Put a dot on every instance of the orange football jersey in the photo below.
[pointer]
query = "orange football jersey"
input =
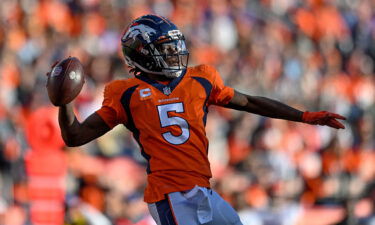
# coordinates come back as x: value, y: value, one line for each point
x: 168, y: 122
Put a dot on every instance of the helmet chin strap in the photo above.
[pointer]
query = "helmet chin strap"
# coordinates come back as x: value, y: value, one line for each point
x: 165, y: 72
x: 172, y: 74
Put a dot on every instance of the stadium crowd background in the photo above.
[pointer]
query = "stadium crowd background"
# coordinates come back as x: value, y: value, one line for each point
x: 313, y: 54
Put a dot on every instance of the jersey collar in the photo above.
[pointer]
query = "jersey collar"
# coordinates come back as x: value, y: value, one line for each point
x: 166, y: 89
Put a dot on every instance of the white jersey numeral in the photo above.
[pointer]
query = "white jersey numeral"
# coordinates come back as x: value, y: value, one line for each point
x: 166, y: 121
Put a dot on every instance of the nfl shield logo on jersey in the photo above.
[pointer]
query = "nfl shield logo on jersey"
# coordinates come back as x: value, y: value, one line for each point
x: 167, y: 90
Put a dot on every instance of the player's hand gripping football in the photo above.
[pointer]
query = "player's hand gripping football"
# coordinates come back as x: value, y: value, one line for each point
x: 65, y: 81
x: 323, y: 118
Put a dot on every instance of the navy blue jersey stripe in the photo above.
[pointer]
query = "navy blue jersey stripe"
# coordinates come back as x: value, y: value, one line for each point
x: 207, y: 87
x: 125, y: 101
x: 165, y: 212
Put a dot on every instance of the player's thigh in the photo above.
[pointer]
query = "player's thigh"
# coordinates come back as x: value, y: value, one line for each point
x: 223, y: 212
x: 183, y: 209
x: 176, y: 209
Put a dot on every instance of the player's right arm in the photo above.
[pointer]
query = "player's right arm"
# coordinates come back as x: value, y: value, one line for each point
x: 75, y: 133
x: 111, y: 113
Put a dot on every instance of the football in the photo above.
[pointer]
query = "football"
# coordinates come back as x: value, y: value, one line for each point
x: 65, y: 81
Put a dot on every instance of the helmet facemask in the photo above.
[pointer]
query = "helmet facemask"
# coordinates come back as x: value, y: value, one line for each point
x: 170, y: 55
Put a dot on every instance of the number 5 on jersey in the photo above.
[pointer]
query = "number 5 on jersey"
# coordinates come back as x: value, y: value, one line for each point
x: 166, y: 121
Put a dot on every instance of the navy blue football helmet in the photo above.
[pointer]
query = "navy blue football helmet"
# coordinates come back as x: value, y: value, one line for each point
x: 153, y: 44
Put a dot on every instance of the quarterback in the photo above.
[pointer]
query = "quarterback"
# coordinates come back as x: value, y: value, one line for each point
x: 165, y: 106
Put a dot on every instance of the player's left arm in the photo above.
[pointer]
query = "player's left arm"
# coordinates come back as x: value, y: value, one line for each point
x: 271, y: 108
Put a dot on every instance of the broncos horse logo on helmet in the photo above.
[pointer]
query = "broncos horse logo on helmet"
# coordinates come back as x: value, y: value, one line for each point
x: 139, y: 29
x: 153, y: 44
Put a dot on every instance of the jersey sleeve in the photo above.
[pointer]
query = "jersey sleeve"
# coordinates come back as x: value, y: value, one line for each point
x: 111, y: 111
x: 220, y: 94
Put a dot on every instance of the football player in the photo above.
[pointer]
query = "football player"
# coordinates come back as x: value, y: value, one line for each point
x: 165, y: 105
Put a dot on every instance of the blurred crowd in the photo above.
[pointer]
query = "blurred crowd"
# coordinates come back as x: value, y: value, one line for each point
x: 313, y: 55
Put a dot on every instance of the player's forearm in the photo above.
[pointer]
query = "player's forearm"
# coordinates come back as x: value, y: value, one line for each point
x: 69, y: 125
x: 264, y: 107
x: 272, y: 108
x: 77, y: 133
